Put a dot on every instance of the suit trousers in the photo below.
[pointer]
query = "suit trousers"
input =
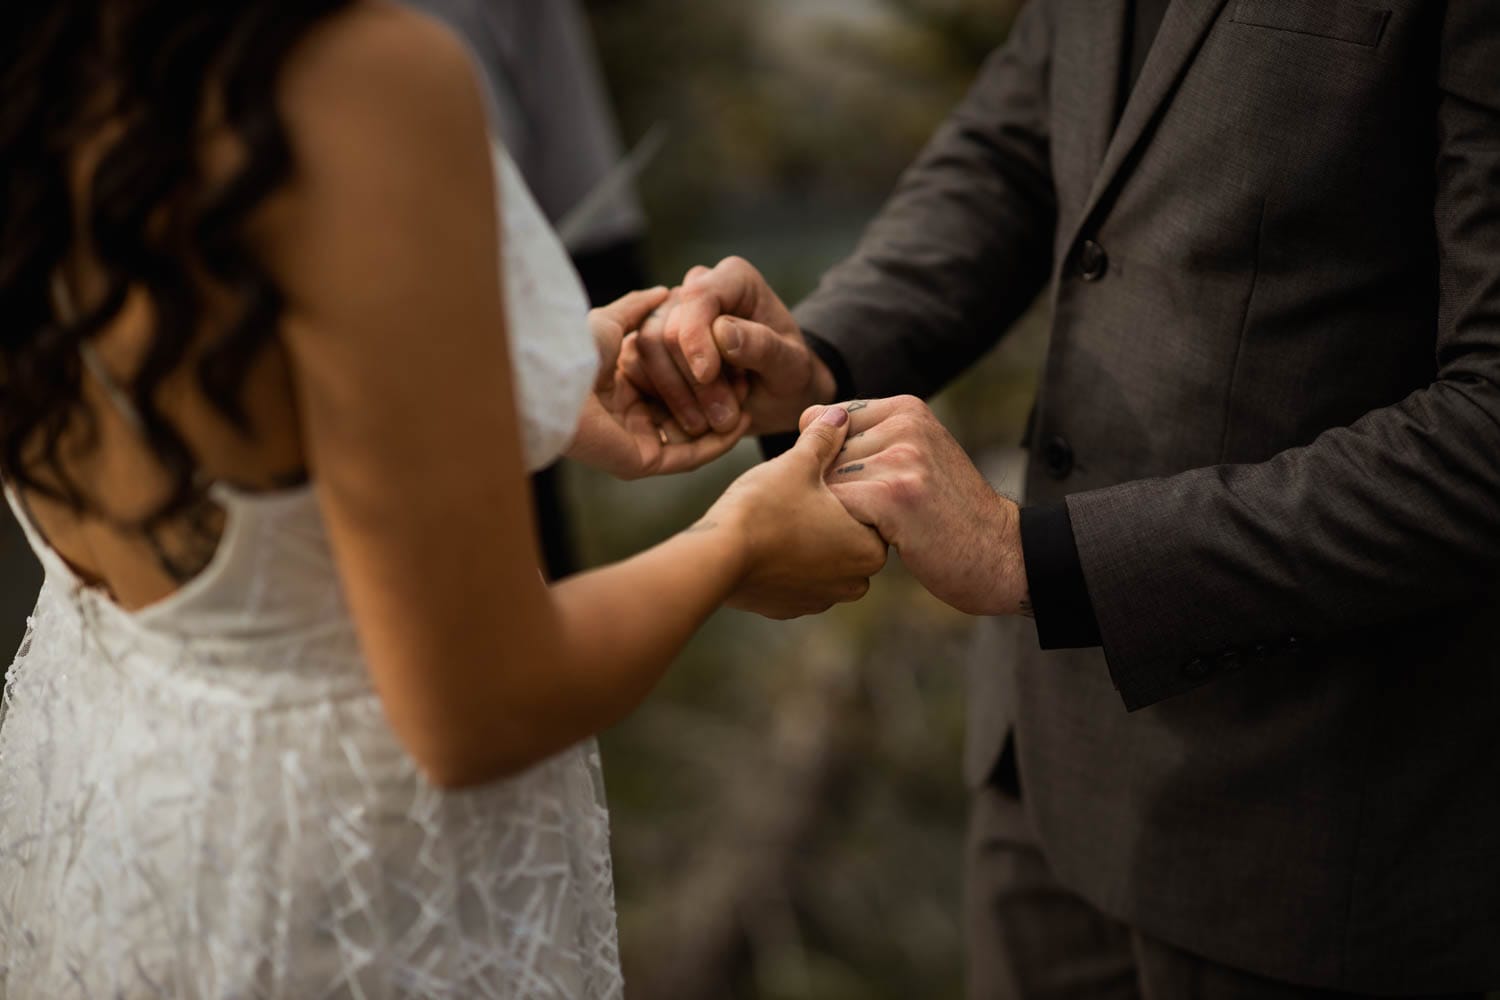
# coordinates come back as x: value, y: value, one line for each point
x: 1030, y: 938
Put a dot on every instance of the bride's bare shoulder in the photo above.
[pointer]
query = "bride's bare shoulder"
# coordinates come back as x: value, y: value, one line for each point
x: 385, y: 118
x: 387, y: 68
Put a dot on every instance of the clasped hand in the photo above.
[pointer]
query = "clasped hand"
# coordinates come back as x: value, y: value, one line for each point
x: 721, y: 356
x: 629, y: 433
x: 799, y: 550
x: 904, y: 475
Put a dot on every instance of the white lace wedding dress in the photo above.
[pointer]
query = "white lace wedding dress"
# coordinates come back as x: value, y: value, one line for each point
x: 203, y: 799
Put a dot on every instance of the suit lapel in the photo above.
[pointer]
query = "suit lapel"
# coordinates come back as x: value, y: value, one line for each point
x: 1088, y: 42
x: 1182, y: 32
x: 1103, y: 28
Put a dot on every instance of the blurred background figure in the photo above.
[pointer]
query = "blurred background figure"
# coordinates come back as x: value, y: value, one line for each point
x: 550, y: 107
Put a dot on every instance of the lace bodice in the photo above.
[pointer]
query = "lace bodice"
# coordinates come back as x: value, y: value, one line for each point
x: 203, y: 798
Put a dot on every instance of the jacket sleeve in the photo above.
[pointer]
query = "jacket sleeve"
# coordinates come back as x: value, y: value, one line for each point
x: 963, y: 246
x: 1382, y: 520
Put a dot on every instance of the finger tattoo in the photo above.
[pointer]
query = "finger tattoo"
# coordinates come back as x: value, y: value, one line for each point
x: 846, y: 470
x: 857, y: 405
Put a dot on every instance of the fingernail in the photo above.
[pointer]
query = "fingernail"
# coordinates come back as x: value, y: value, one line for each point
x: 719, y: 415
x: 835, y: 415
x: 699, y: 365
x: 732, y: 337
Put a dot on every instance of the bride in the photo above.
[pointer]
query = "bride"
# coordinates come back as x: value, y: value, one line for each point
x: 296, y: 715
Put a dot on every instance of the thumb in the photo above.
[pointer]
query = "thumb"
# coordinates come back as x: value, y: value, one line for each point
x: 611, y: 324
x: 755, y: 347
x: 824, y: 436
x: 631, y: 310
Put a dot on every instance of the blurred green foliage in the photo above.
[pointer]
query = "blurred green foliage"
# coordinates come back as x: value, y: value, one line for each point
x: 790, y: 121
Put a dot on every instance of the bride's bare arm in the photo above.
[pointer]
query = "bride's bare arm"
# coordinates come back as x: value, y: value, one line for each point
x: 385, y: 246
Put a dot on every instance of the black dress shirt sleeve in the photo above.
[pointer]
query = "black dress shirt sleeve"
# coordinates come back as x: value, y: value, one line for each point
x: 1059, y: 597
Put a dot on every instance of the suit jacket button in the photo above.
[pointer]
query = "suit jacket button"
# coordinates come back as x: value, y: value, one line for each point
x: 1093, y: 262
x: 1196, y: 669
x: 1057, y: 456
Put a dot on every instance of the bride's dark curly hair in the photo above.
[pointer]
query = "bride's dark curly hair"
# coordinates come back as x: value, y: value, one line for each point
x: 148, y: 69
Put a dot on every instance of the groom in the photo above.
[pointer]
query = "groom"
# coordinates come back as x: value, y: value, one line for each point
x: 1257, y: 753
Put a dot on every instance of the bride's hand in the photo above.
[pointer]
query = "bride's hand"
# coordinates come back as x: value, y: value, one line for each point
x: 611, y: 324
x: 805, y: 553
x: 621, y: 431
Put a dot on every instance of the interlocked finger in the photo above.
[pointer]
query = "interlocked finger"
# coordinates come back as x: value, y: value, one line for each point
x: 852, y: 470
x: 683, y: 453
x: 863, y: 444
x: 667, y: 382
x: 867, y: 413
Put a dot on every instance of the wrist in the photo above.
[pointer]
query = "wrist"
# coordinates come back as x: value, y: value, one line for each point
x: 1012, y: 595
x: 734, y: 542
x: 821, y: 390
x: 824, y: 387
x: 1020, y: 582
x: 781, y: 414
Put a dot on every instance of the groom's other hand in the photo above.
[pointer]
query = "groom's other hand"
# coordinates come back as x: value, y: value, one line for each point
x: 721, y: 321
x: 904, y: 475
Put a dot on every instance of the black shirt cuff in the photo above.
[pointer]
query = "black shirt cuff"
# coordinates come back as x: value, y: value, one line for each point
x: 773, y: 445
x: 1059, y: 596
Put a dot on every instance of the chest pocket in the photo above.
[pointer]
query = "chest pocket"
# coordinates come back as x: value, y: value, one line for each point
x: 1341, y: 20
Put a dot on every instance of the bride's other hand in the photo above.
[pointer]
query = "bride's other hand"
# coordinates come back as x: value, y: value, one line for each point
x: 804, y: 552
x: 621, y: 431
x: 611, y: 324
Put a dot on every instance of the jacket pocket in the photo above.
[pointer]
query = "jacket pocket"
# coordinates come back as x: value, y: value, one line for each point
x: 1341, y: 20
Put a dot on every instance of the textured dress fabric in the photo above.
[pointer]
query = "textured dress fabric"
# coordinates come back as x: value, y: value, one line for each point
x: 203, y: 798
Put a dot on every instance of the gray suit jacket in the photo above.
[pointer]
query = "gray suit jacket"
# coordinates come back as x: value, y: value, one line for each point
x: 1272, y: 402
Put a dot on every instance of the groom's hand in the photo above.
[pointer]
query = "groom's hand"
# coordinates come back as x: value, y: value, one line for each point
x: 903, y: 474
x: 723, y: 321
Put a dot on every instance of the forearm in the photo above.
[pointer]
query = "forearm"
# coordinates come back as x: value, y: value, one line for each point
x: 624, y: 624
x: 1376, y: 522
x: 606, y: 637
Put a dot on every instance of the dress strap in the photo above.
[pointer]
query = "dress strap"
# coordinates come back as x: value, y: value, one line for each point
x: 67, y: 311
